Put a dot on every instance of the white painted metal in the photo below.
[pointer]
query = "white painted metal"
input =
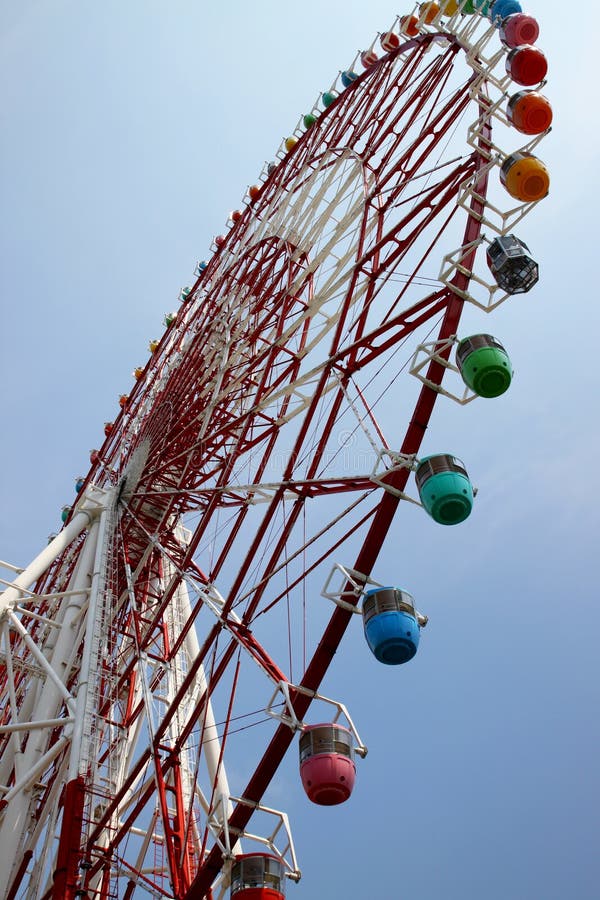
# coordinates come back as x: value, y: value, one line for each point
x: 14, y: 594
x: 211, y: 744
x: 50, y: 667
x: 81, y: 750
x: 48, y: 691
x: 290, y: 719
x: 431, y: 352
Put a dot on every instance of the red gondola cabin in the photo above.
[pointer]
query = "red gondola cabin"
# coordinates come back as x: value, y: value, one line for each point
x: 257, y: 876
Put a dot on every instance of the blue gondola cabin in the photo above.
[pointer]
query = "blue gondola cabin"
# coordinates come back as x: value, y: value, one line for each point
x: 391, y: 625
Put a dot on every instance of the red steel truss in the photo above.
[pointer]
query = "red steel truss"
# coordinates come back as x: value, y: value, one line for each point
x: 224, y: 449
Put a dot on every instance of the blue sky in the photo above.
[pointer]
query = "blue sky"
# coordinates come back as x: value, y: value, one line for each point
x: 130, y: 131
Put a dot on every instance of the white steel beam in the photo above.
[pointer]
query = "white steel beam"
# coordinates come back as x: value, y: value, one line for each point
x: 13, y: 594
x: 49, y: 693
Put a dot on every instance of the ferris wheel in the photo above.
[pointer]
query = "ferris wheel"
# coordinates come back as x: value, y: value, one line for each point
x: 168, y: 645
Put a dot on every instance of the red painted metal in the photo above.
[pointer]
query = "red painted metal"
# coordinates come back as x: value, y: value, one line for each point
x: 66, y: 874
x: 368, y: 555
x: 203, y: 467
x: 12, y: 893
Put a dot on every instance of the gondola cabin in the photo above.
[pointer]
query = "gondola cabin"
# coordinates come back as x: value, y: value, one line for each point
x: 525, y: 177
x: 368, y: 58
x: 391, y: 627
x: 389, y: 41
x: 428, y: 12
x: 501, y: 9
x: 470, y: 7
x: 409, y: 25
x: 484, y: 365
x: 444, y: 488
x: 526, y: 65
x: 511, y: 265
x: 257, y: 876
x: 327, y: 767
x: 348, y: 76
x: 449, y: 7
x: 519, y: 29
x: 530, y: 112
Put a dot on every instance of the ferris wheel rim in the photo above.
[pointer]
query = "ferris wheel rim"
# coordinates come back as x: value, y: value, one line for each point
x: 450, y: 302
x: 307, y: 704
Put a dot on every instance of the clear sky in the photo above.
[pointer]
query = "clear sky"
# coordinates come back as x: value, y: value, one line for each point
x: 130, y: 129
